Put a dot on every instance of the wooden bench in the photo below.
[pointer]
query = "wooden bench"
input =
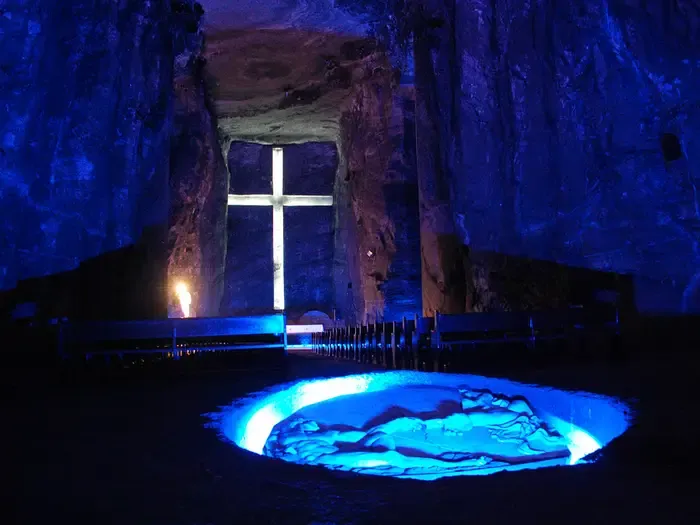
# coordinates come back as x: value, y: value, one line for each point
x: 173, y: 337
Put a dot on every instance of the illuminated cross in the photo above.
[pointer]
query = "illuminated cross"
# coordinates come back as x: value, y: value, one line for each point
x: 278, y: 201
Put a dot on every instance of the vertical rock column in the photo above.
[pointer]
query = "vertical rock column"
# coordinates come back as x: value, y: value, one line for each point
x: 402, y: 288
x: 345, y: 258
x: 198, y: 182
x: 437, y: 133
x: 364, y: 242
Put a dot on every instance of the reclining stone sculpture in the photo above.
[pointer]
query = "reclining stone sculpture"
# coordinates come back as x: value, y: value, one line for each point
x: 413, y: 445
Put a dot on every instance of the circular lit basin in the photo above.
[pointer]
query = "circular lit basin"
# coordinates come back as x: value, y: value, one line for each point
x: 422, y: 425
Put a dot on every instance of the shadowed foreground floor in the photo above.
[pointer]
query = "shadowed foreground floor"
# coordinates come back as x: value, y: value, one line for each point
x: 136, y: 452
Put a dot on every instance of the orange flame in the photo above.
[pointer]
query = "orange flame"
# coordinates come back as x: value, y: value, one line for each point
x: 185, y: 298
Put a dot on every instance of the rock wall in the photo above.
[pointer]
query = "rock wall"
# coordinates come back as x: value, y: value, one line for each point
x: 567, y: 133
x: 198, y: 180
x: 442, y: 266
x: 402, y: 286
x: 85, y: 125
x: 375, y: 193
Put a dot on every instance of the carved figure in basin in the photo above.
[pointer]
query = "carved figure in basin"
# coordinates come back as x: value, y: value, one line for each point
x: 500, y: 418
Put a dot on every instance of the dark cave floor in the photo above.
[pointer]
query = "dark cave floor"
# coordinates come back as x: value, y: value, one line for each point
x: 137, y: 452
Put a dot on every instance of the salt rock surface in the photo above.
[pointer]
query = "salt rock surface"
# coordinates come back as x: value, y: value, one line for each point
x: 418, y: 431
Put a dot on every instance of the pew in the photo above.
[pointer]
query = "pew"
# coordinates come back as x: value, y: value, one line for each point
x: 364, y: 343
x: 405, y: 344
x: 454, y: 332
x: 346, y: 345
x: 531, y: 329
x: 385, y: 344
x: 547, y: 326
x: 173, y: 337
x: 419, y: 342
x: 486, y: 327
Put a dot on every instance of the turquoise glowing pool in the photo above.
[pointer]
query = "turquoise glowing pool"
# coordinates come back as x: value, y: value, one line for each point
x: 422, y: 425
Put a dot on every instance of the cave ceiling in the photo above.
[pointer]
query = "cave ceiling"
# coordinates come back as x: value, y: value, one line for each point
x: 280, y: 70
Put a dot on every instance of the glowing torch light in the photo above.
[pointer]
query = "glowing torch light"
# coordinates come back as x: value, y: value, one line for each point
x: 185, y: 298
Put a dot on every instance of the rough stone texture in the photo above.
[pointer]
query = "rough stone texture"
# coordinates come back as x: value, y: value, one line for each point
x: 374, y: 161
x: 309, y: 169
x: 198, y: 181
x: 281, y: 70
x: 556, y: 147
x: 294, y: 72
x: 366, y: 148
x: 280, y: 86
x: 402, y: 287
x: 548, y: 133
x: 85, y: 130
x: 336, y: 16
x: 442, y: 270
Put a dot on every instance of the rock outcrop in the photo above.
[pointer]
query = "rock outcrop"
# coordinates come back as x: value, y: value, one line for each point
x: 85, y: 127
x: 279, y: 71
x: 282, y: 86
x: 376, y: 199
x: 402, y: 287
x: 198, y: 178
x: 567, y: 133
x: 556, y: 144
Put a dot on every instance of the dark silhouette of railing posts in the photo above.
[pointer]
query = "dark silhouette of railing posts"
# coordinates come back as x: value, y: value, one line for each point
x: 437, y: 344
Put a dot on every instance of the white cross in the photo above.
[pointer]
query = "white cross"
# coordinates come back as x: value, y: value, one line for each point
x: 278, y: 201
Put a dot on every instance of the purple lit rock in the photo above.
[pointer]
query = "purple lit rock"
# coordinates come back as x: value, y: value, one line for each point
x: 428, y: 432
x: 567, y: 133
x: 84, y: 131
x: 198, y: 181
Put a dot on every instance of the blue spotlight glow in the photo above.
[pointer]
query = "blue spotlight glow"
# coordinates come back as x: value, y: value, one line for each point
x: 449, y: 424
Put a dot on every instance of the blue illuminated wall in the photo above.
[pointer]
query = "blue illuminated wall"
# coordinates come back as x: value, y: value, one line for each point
x: 84, y: 130
x: 86, y: 122
x: 402, y: 288
x: 568, y: 132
